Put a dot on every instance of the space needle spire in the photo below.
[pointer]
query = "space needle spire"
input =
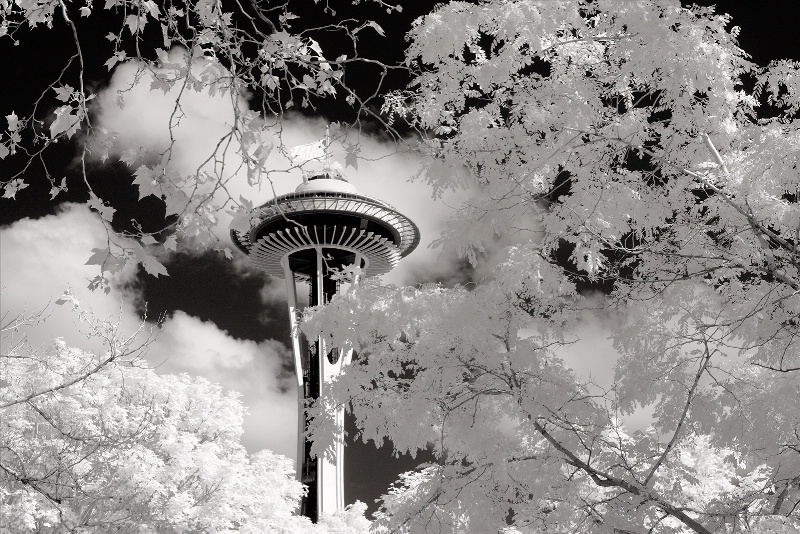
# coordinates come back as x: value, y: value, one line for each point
x: 308, y: 236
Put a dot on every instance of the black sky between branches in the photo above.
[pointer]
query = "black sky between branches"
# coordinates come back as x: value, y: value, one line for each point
x: 207, y: 285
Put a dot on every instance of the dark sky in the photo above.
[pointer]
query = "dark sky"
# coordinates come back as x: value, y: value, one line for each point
x: 208, y: 286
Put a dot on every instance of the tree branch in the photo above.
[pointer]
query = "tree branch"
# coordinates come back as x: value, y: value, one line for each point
x: 605, y: 480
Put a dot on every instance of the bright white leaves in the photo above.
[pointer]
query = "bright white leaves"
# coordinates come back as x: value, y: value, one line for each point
x: 12, y: 187
x: 66, y: 122
x: 578, y: 121
x: 102, y: 442
x: 69, y: 117
x: 571, y: 94
x: 127, y: 448
x: 10, y: 146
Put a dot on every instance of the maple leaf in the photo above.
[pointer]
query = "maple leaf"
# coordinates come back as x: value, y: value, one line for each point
x: 146, y: 181
x: 4, y: 151
x: 135, y: 23
x: 64, y: 93
x: 262, y: 152
x: 109, y: 64
x: 152, y: 8
x: 153, y: 267
x: 175, y: 202
x: 129, y: 156
x: 115, y: 264
x: 99, y: 257
x: 65, y: 122
x: 68, y: 296
x: 171, y: 243
x: 106, y: 212
x: 10, y: 189
x: 56, y: 189
x: 13, y: 122
x: 162, y: 84
x: 351, y: 158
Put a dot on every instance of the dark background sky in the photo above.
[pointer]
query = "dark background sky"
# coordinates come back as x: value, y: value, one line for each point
x: 207, y: 286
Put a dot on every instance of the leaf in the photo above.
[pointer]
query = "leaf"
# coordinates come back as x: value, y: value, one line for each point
x: 313, y: 45
x: 5, y: 152
x: 106, y: 212
x: 171, y: 243
x: 113, y: 60
x: 162, y: 55
x: 175, y: 202
x: 65, y: 122
x: 351, y: 159
x: 56, y: 189
x: 152, y: 8
x: 85, y: 11
x: 153, y: 267
x: 135, y: 23
x: 146, y: 182
x: 161, y: 83
x: 228, y: 253
x: 149, y: 240
x: 375, y: 26
x: 129, y: 156
x: 64, y: 93
x: 10, y: 189
x: 262, y: 153
x: 68, y: 297
x: 99, y: 257
x: 13, y: 122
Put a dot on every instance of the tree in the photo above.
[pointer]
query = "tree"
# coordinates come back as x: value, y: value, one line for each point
x: 632, y: 149
x: 94, y: 443
x: 622, y: 147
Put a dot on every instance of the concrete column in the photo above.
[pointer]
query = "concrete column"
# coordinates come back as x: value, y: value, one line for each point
x: 330, y: 468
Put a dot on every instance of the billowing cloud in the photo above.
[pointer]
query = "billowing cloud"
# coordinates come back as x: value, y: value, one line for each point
x: 189, y: 345
x: 41, y: 258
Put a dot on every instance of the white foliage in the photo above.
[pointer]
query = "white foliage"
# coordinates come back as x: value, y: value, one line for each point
x: 94, y: 443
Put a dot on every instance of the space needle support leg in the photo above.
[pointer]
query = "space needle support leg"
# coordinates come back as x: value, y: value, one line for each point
x: 291, y: 294
x: 330, y: 481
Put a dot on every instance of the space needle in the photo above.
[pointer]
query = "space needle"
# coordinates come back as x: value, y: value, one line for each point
x: 309, y: 236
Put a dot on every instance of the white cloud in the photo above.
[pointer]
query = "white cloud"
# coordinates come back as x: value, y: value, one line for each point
x: 41, y: 258
x: 189, y: 345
